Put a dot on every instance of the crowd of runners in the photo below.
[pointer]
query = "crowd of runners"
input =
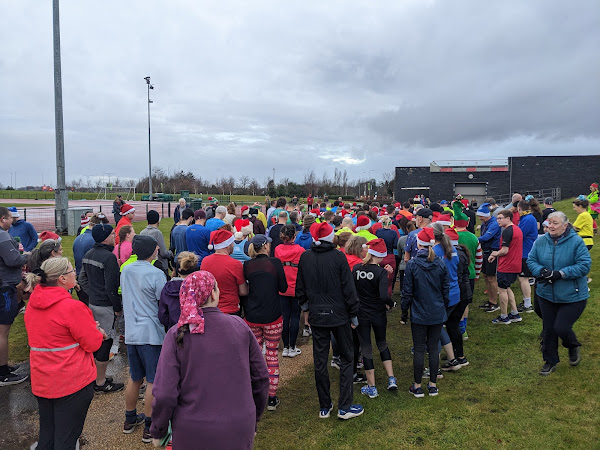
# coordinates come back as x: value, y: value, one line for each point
x: 206, y: 318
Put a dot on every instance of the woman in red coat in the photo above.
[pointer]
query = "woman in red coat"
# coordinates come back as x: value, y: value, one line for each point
x: 62, y: 336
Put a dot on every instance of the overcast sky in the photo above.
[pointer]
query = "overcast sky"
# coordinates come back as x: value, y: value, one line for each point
x: 244, y: 87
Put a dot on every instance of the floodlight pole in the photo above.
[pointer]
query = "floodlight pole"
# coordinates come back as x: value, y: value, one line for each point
x: 60, y: 193
x: 149, y: 146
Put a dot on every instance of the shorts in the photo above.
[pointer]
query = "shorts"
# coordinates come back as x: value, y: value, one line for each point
x: 506, y: 279
x: 9, y: 305
x: 489, y: 268
x: 143, y: 360
x: 105, y: 316
x: 525, y: 272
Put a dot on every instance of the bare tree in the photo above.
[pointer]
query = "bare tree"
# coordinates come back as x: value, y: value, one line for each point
x: 253, y: 186
x: 244, y: 182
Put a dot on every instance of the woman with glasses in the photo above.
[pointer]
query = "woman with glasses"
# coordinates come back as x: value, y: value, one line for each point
x: 62, y: 337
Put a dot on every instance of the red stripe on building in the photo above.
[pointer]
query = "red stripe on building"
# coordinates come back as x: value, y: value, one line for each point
x: 499, y: 169
x: 446, y: 169
x: 471, y: 169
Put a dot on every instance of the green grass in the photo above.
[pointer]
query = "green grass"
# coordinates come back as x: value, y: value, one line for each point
x: 18, y: 350
x: 499, y: 400
x: 4, y: 202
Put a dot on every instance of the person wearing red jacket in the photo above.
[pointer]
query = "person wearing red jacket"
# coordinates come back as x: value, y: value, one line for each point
x: 62, y: 337
x: 289, y: 254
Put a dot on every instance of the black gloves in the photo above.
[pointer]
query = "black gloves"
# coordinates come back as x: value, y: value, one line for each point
x: 551, y: 275
x: 404, y: 316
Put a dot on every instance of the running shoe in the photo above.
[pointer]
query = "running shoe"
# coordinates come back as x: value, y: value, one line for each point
x: 324, y: 413
x: 501, y: 321
x: 574, y: 356
x: 451, y: 365
x: 484, y: 305
x: 129, y: 427
x: 108, y: 387
x: 146, y: 437
x: 432, y: 390
x: 547, y: 369
x: 307, y: 331
x: 12, y: 378
x: 465, y: 336
x: 416, y: 391
x: 335, y: 362
x: 285, y: 352
x: 371, y: 391
x: 353, y: 411
x: 524, y: 309
x: 426, y: 373
x: 392, y: 384
x: 293, y: 352
x: 273, y: 403
x: 514, y: 318
x: 492, y: 307
x: 463, y: 362
x: 359, y: 378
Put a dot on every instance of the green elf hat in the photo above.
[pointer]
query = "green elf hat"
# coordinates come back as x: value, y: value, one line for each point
x: 461, y: 220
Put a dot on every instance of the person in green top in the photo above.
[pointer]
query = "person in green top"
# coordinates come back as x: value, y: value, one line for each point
x: 469, y: 240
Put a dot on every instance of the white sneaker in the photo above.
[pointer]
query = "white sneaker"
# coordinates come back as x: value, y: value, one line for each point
x: 294, y: 352
x: 286, y: 352
x: 306, y: 332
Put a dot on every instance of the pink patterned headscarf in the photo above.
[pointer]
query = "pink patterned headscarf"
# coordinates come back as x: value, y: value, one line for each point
x: 194, y: 292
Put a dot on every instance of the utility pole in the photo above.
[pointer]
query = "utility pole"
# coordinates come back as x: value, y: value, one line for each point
x: 273, y: 176
x: 149, y: 147
x: 60, y: 193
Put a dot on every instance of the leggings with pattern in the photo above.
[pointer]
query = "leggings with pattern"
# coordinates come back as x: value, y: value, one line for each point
x: 270, y: 334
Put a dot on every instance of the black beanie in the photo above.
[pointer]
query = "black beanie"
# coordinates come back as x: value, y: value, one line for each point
x: 101, y: 231
x: 143, y: 246
x: 152, y: 217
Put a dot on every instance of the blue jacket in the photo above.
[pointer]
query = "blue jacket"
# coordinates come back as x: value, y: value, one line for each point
x: 567, y: 254
x: 528, y: 225
x: 81, y: 245
x: 490, y: 235
x: 26, y: 232
x: 452, y: 268
x: 426, y: 290
x: 304, y: 240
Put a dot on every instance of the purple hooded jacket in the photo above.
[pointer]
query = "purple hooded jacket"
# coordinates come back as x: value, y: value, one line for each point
x: 168, y: 304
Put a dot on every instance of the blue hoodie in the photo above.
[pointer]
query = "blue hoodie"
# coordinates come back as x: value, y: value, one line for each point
x: 528, y: 225
x: 452, y: 268
x: 490, y: 235
x: 25, y: 231
x: 304, y: 239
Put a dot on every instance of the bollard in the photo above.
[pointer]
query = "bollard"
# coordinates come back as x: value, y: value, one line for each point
x: 169, y: 209
x: 100, y: 208
x: 146, y: 208
x: 25, y: 214
x: 162, y: 210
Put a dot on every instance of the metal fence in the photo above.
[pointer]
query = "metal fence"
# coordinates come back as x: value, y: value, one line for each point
x: 539, y: 195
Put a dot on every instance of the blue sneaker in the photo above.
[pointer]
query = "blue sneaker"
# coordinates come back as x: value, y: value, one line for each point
x: 353, y: 411
x: 501, y: 321
x: 432, y: 390
x: 514, y: 317
x: 371, y: 391
x: 416, y: 391
x: 392, y: 384
x: 324, y: 413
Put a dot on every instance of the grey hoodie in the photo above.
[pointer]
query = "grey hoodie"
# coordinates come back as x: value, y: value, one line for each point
x: 11, y: 260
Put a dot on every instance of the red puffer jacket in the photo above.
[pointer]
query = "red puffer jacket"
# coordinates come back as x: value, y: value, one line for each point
x: 62, y: 335
x: 289, y: 255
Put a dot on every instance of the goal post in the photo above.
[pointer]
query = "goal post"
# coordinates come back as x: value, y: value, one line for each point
x: 110, y: 192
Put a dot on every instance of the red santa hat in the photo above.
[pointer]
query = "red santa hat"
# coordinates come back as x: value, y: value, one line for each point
x: 220, y: 239
x: 322, y: 232
x: 45, y: 235
x: 127, y: 209
x: 315, y: 212
x: 85, y: 220
x: 425, y: 237
x: 363, y: 223
x: 453, y: 235
x: 444, y: 219
x: 376, y: 209
x: 377, y: 248
x: 243, y: 227
x: 244, y: 209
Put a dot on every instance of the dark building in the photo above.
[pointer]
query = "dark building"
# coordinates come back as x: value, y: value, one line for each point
x: 542, y: 176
